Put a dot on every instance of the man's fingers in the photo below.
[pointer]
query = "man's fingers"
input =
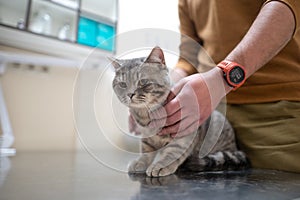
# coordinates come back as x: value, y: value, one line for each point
x: 167, y: 121
x: 172, y: 105
x: 170, y: 97
x: 178, y: 127
x: 163, y: 112
x: 157, y: 123
x: 176, y: 117
x: 181, y: 128
x: 189, y: 130
x: 173, y: 129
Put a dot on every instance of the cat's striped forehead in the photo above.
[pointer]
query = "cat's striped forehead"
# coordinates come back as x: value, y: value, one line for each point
x: 130, y: 64
x: 135, y: 69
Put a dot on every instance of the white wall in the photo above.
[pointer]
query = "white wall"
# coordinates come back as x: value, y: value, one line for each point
x: 159, y: 17
x: 136, y: 14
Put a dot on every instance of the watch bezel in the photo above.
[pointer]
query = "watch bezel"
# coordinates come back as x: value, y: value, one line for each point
x: 227, y: 68
x: 232, y: 79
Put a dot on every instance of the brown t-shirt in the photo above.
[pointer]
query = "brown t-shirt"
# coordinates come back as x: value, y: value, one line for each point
x: 217, y: 26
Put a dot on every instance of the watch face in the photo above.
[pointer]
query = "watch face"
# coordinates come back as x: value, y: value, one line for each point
x: 236, y: 75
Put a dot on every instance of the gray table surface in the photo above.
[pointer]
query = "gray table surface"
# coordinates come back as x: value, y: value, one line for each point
x: 67, y: 175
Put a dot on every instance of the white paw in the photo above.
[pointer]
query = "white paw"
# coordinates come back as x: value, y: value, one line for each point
x: 158, y: 169
x: 137, y: 166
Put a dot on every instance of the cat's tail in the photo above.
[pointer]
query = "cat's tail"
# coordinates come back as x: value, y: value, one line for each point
x: 222, y: 160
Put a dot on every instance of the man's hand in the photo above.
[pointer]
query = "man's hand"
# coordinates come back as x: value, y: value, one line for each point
x: 190, y: 103
x: 177, y: 74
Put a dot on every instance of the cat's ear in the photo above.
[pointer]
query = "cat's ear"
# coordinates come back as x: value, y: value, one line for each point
x: 156, y: 56
x: 115, y: 62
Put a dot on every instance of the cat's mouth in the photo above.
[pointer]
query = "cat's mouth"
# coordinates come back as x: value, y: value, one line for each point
x: 143, y: 103
x: 138, y: 103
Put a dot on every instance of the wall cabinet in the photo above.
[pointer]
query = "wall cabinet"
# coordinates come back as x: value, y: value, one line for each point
x: 90, y: 23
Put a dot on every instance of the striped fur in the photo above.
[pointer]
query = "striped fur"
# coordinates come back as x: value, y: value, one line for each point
x: 143, y: 84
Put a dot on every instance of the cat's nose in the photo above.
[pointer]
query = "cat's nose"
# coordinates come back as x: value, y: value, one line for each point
x: 130, y: 95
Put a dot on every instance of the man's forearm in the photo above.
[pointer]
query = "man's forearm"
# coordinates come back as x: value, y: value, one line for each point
x: 269, y: 33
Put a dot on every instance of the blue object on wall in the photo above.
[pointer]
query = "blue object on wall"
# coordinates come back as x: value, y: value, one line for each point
x: 87, y: 32
x: 105, y: 37
x: 96, y: 34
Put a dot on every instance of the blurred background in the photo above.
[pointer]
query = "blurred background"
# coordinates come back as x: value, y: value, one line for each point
x: 63, y: 132
x: 55, y: 82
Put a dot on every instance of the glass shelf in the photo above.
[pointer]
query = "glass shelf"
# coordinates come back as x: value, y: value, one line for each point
x: 13, y: 13
x: 103, y: 8
x: 53, y: 20
x: 64, y: 20
x: 73, y: 4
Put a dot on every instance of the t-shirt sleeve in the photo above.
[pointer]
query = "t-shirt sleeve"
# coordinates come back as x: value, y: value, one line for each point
x: 294, y: 5
x: 190, y: 43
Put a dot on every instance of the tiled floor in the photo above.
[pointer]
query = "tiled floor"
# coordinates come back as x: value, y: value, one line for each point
x: 61, y: 175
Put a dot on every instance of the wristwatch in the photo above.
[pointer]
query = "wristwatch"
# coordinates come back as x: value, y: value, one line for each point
x: 233, y: 73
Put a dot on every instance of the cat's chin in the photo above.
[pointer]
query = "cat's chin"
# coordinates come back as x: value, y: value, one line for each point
x: 144, y: 105
x: 138, y: 106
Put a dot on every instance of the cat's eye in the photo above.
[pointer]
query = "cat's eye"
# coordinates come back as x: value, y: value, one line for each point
x: 122, y: 84
x: 143, y: 82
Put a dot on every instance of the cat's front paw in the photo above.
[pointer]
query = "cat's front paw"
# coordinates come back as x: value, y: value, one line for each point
x: 137, y: 166
x: 159, y: 169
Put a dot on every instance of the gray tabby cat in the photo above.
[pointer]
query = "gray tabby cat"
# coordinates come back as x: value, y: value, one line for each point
x: 143, y: 84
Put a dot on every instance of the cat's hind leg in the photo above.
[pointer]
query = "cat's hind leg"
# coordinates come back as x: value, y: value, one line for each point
x: 227, y: 160
x: 221, y: 160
